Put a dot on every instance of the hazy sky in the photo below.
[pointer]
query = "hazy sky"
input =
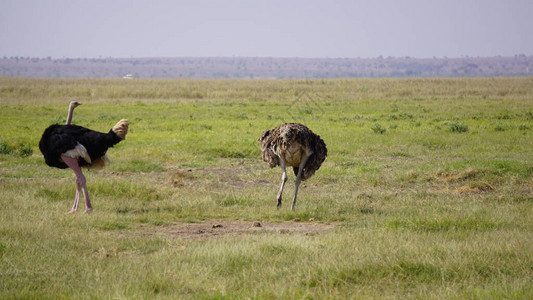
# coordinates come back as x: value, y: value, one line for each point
x: 165, y: 28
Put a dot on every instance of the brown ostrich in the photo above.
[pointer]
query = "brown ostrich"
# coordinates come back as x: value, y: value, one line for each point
x: 73, y: 146
x: 293, y: 145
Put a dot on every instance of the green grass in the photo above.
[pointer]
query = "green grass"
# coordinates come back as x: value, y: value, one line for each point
x: 428, y: 183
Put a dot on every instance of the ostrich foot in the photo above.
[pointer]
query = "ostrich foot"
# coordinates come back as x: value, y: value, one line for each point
x: 87, y: 210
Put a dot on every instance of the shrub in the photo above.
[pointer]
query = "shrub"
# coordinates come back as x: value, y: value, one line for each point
x: 4, y: 148
x: 523, y: 127
x: 377, y: 128
x: 458, y: 127
x: 24, y: 150
x: 499, y: 127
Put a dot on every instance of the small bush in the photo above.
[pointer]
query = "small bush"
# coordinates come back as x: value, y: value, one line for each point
x: 406, y: 116
x: 4, y: 148
x: 458, y: 127
x: 24, y: 150
x: 377, y: 128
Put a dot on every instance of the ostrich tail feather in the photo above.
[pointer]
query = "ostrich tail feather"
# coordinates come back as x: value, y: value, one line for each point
x: 121, y: 128
x: 99, y: 163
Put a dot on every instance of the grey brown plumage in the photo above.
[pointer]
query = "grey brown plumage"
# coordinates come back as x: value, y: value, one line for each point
x: 296, y: 146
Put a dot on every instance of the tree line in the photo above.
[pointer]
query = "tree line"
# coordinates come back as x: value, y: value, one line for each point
x: 265, y: 67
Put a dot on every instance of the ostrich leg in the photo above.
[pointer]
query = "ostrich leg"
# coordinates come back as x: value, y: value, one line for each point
x: 299, y: 179
x: 283, y: 180
x: 76, y: 200
x: 80, y: 184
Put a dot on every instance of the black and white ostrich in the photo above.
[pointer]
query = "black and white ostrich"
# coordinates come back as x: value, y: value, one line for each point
x: 293, y: 145
x: 73, y: 146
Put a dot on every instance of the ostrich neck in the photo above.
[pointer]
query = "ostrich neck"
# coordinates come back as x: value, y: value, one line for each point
x: 69, y: 116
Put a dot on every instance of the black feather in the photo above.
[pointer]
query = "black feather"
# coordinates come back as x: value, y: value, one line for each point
x: 58, y: 139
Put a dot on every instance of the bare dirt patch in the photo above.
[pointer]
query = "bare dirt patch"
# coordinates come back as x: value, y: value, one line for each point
x: 216, y: 228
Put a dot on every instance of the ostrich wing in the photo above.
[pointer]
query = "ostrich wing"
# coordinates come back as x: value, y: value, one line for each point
x: 55, y: 142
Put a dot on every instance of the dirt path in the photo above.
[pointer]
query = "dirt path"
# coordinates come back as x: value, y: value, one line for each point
x: 217, y: 228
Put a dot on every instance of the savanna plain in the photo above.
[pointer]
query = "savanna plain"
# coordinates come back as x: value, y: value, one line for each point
x: 426, y: 193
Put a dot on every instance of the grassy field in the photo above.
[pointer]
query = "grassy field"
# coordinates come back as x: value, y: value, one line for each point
x: 427, y: 191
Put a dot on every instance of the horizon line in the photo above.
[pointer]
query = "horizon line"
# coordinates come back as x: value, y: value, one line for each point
x: 266, y: 57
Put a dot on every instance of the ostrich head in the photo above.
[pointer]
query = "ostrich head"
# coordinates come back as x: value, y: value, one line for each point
x: 74, y: 104
x: 121, y: 128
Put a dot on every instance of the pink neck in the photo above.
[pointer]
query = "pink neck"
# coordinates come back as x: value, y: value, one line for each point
x: 69, y: 117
